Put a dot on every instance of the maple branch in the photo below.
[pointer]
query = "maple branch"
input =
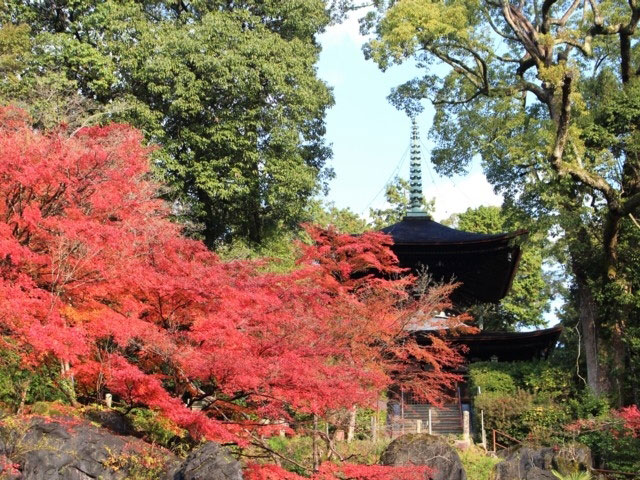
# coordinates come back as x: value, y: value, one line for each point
x: 257, y: 442
x: 330, y: 445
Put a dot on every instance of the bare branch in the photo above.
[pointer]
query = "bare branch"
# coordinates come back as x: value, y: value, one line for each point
x: 461, y: 68
x: 526, y: 63
x: 631, y: 204
x: 546, y: 19
x: 567, y: 15
x: 524, y: 30
x: 458, y: 102
x: 495, y: 28
x: 584, y: 47
x: 539, y: 92
x: 597, y: 16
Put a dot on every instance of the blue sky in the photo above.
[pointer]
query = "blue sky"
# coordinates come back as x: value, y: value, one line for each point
x: 370, y: 137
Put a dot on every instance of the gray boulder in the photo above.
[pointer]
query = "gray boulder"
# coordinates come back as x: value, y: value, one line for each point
x: 208, y: 462
x: 69, y: 449
x: 525, y: 463
x: 425, y: 449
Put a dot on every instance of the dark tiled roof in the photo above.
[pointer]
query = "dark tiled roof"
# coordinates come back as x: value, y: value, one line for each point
x: 507, y: 346
x: 483, y: 264
x: 424, y: 231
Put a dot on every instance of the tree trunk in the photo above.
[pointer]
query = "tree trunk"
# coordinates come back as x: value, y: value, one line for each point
x: 67, y: 383
x: 351, y: 432
x: 315, y: 449
x: 24, y: 390
x: 588, y: 314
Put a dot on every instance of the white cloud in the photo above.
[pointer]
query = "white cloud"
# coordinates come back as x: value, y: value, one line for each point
x: 346, y: 31
x: 455, y: 196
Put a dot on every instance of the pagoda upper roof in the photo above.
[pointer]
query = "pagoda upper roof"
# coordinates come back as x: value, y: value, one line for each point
x: 425, y: 231
x: 484, y: 264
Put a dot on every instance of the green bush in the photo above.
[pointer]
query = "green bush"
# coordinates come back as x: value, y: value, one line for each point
x: 37, y: 385
x: 156, y: 429
x: 477, y: 464
x: 538, y: 377
x: 298, y: 449
x: 490, y: 380
x: 530, y: 401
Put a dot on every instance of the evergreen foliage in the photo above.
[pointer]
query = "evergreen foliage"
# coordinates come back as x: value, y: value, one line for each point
x: 228, y: 90
x: 546, y: 93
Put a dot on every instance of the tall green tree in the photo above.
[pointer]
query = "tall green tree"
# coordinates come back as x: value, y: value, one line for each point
x: 227, y: 89
x: 530, y: 292
x: 546, y: 92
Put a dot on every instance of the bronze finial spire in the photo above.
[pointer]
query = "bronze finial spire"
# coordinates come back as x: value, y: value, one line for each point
x: 415, y: 174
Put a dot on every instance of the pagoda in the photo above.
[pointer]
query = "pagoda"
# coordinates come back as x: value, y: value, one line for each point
x: 484, y: 266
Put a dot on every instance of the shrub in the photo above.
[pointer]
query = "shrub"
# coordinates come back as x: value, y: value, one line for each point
x: 530, y: 401
x: 155, y: 428
x: 538, y: 377
x: 477, y: 464
x: 490, y: 380
x: 505, y: 412
x: 612, y: 444
x: 18, y: 383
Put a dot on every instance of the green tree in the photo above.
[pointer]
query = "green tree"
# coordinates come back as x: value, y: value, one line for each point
x: 547, y: 94
x: 280, y: 253
x: 530, y: 292
x: 397, y: 197
x: 344, y: 220
x: 227, y: 89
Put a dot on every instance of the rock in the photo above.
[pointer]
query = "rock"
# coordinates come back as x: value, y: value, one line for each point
x: 525, y: 463
x: 70, y: 449
x: 425, y: 449
x: 208, y: 462
x: 112, y: 420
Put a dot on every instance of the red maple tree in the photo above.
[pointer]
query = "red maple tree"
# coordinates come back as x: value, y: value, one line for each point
x: 94, y: 278
x: 631, y: 417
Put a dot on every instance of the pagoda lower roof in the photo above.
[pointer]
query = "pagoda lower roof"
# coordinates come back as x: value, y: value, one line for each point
x: 504, y: 346
x: 484, y: 264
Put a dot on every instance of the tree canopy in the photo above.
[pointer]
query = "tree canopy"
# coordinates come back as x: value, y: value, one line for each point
x: 546, y: 93
x: 228, y: 90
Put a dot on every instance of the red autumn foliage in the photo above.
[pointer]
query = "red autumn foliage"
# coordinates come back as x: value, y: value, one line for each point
x: 631, y: 417
x: 624, y: 422
x: 331, y: 471
x: 95, y: 279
